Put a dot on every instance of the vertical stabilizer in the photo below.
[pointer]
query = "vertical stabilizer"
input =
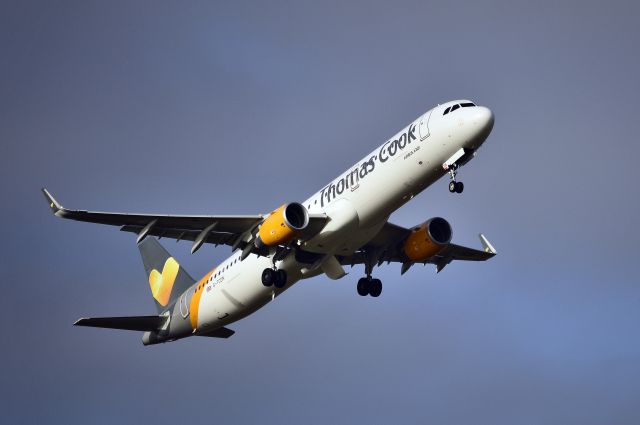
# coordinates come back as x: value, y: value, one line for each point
x: 167, y: 280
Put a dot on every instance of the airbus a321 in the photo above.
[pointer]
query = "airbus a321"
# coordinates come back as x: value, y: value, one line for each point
x: 342, y: 224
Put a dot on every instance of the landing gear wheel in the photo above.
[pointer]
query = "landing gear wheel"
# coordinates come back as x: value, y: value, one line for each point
x: 281, y: 279
x: 363, y: 287
x: 268, y: 277
x: 376, y: 288
x: 452, y: 186
x: 459, y: 187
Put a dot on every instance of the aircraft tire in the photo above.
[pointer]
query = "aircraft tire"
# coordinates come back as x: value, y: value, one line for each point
x: 363, y: 287
x: 459, y: 187
x: 268, y: 277
x: 452, y: 186
x: 376, y: 288
x: 281, y: 279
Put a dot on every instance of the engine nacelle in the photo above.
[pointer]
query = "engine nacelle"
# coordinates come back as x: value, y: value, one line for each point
x: 282, y: 225
x: 427, y: 239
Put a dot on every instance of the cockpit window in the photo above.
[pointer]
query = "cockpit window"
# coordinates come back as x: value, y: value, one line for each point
x: 454, y: 107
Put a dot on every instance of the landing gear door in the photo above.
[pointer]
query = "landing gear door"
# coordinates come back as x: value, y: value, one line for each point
x: 424, y: 125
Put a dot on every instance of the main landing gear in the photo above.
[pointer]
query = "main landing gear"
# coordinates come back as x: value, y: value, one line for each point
x: 277, y: 278
x: 368, y: 286
x: 454, y: 186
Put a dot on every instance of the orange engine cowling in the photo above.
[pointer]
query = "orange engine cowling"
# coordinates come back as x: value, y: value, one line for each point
x: 427, y: 239
x: 282, y: 225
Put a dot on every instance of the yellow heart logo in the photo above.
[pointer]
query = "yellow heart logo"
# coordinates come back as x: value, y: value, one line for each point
x: 162, y: 284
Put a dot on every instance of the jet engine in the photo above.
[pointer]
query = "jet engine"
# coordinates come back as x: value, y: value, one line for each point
x: 427, y: 239
x: 282, y: 225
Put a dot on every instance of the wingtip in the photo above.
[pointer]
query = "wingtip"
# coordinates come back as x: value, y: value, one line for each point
x: 53, y: 204
x: 486, y: 245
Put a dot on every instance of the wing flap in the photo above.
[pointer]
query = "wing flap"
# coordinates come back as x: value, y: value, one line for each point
x: 463, y: 253
x: 217, y: 238
x: 458, y: 252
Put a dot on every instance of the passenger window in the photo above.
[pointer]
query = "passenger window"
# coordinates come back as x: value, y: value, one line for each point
x: 446, y: 111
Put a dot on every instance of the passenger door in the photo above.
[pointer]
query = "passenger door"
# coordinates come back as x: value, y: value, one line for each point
x: 424, y: 125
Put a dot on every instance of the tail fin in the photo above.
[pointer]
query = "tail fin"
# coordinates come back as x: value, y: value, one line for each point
x: 167, y: 279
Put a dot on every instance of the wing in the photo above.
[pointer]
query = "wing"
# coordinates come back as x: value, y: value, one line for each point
x: 233, y: 230
x: 462, y: 253
x: 387, y: 246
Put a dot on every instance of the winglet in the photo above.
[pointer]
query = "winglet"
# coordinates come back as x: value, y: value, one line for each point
x: 53, y: 204
x: 486, y: 245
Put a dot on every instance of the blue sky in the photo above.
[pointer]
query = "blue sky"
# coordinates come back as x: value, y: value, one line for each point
x: 221, y: 108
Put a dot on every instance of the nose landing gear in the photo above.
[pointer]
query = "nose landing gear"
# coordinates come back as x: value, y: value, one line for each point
x: 454, y: 186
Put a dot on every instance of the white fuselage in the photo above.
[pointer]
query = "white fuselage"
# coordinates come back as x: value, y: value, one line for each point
x: 358, y: 203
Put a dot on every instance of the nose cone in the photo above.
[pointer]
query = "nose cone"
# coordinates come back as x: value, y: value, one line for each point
x: 484, y: 118
x: 483, y: 124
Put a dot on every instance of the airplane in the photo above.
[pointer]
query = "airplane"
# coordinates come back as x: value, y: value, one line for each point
x: 343, y: 224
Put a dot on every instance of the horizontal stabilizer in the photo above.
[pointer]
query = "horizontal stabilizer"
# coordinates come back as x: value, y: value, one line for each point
x: 132, y: 323
x: 219, y: 333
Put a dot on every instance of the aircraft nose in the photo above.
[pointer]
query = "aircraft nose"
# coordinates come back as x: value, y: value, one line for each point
x: 483, y: 117
x: 482, y: 120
